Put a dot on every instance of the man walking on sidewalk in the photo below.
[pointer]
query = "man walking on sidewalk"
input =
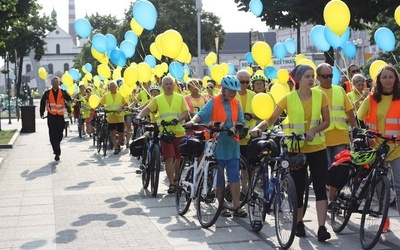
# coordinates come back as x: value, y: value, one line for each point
x: 54, y: 101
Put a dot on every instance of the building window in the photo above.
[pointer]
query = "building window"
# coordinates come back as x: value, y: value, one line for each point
x: 66, y: 67
x: 28, y: 68
x: 58, y: 49
x: 51, y: 71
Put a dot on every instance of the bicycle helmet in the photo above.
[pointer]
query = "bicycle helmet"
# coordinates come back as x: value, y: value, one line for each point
x: 363, y: 157
x: 258, y: 77
x: 154, y: 87
x: 231, y: 83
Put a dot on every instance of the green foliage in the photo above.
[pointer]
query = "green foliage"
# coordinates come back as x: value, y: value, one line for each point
x: 6, y: 135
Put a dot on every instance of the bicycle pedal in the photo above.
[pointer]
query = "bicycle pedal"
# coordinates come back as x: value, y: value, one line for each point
x: 138, y: 171
x: 256, y: 224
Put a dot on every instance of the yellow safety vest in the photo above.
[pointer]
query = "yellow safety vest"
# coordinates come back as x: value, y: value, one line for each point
x: 252, y: 123
x: 114, y: 104
x: 167, y: 113
x: 143, y: 97
x: 294, y: 121
x: 337, y: 112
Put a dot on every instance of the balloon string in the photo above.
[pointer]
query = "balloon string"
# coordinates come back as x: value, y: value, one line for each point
x: 395, y: 59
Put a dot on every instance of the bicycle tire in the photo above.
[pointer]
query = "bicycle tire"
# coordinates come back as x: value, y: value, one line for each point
x: 342, y: 207
x: 99, y: 141
x: 392, y: 201
x: 145, y: 167
x: 306, y: 192
x: 255, y: 203
x: 285, y: 209
x: 370, y: 234
x: 182, y: 196
x: 155, y: 169
x: 80, y: 124
x: 105, y: 139
x: 210, y: 201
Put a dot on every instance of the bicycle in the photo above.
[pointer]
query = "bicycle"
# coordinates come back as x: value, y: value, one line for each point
x: 103, y: 133
x: 198, y: 174
x: 96, y: 124
x: 274, y: 185
x: 367, y: 184
x: 150, y: 166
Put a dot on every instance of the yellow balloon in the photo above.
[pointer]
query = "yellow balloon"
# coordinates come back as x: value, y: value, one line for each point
x: 225, y: 66
x: 144, y: 72
x: 171, y: 43
x: 67, y: 79
x: 154, y: 51
x: 104, y: 71
x: 217, y: 73
x: 165, y: 67
x: 43, y: 74
x: 158, y: 43
x: 308, y: 62
x: 263, y: 105
x: 337, y: 16
x: 131, y: 75
x: 188, y: 59
x: 205, y: 79
x: 125, y: 90
x: 261, y: 53
x: 278, y: 91
x: 213, y: 57
x: 209, y: 61
x: 158, y: 70
x: 250, y: 70
x: 71, y: 90
x: 136, y: 27
x: 298, y: 58
x: 88, y: 76
x: 375, y: 67
x: 98, y: 56
x: 186, y: 76
x: 283, y: 75
x: 116, y: 75
x: 94, y: 101
x: 84, y: 69
x: 183, y: 54
x: 397, y: 15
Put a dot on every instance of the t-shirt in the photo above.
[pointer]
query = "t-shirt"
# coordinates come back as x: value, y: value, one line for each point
x: 307, y: 107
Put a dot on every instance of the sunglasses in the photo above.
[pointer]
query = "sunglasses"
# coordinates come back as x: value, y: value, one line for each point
x: 210, y: 87
x: 355, y: 71
x: 326, y: 76
x: 244, y: 82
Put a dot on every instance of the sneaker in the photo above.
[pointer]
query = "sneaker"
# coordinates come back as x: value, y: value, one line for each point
x: 57, y: 158
x: 323, y: 234
x: 386, y: 226
x: 300, y: 231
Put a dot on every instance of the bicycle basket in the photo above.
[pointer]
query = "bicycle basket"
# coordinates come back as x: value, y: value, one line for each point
x: 363, y: 157
x: 136, y: 147
x: 168, y: 137
x: 191, y: 146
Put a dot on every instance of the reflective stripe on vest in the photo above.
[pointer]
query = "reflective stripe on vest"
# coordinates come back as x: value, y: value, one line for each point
x: 114, y: 104
x: 168, y: 112
x: 338, y: 117
x: 56, y: 107
x: 294, y: 121
x: 252, y: 123
x: 392, y: 120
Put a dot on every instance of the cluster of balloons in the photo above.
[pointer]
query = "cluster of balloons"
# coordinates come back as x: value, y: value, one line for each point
x: 170, y: 44
x: 42, y: 73
x: 280, y: 49
x: 218, y: 71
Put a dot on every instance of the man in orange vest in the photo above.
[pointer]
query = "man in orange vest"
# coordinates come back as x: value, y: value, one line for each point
x: 351, y: 71
x: 54, y: 100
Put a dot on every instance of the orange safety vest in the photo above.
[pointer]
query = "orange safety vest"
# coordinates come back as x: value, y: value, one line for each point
x: 349, y: 86
x: 392, y: 121
x: 56, y: 107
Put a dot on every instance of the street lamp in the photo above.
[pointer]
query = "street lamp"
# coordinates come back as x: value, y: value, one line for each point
x: 198, y: 9
x: 217, y: 48
x: 6, y: 73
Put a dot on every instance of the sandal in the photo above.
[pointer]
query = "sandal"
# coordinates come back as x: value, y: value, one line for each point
x: 240, y: 212
x: 225, y: 213
x: 116, y: 151
x: 171, y: 189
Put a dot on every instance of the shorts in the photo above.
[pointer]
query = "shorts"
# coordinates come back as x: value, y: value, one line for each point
x: 171, y: 150
x: 128, y: 118
x: 116, y: 126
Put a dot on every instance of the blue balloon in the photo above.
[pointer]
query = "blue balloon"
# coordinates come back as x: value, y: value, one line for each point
x: 256, y: 7
x: 74, y: 73
x: 128, y: 48
x: 131, y: 36
x: 64, y: 87
x: 82, y: 27
x: 349, y: 49
x: 279, y: 50
x: 88, y: 67
x: 111, y: 42
x: 186, y: 69
x: 336, y: 76
x: 318, y: 38
x: 270, y: 72
x: 145, y: 14
x: 76, y: 89
x: 118, y: 57
x: 231, y: 69
x: 290, y: 46
x: 99, y: 43
x: 176, y: 70
x: 385, y: 39
x: 249, y: 58
x: 337, y: 42
x: 150, y: 60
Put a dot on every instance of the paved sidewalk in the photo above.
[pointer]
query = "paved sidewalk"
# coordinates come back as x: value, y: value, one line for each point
x: 87, y: 201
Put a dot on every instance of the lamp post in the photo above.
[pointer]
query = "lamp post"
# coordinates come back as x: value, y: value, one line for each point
x: 198, y: 9
x: 217, y: 48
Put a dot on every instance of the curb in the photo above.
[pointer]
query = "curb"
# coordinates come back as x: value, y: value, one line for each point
x: 11, y: 143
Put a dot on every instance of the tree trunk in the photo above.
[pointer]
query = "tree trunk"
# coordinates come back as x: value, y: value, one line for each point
x: 19, y: 78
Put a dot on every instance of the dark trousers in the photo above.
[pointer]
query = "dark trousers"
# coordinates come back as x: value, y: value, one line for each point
x: 56, y: 124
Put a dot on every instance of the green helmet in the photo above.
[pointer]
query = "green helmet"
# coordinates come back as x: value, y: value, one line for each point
x: 363, y: 157
x: 258, y: 77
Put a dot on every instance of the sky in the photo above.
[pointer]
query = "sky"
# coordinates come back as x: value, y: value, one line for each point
x: 232, y: 20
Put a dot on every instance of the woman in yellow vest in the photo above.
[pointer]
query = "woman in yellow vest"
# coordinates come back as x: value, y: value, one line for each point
x: 380, y: 111
x: 307, y: 112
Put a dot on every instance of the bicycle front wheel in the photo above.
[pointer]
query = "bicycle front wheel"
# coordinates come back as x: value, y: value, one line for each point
x: 80, y: 127
x: 105, y: 140
x: 255, y: 203
x: 342, y: 208
x: 99, y: 138
x: 375, y: 212
x: 182, y: 193
x: 145, y: 167
x: 285, y: 207
x: 209, y: 203
x: 155, y: 165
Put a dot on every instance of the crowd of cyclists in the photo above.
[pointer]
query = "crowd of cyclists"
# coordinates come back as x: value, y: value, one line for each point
x: 325, y: 113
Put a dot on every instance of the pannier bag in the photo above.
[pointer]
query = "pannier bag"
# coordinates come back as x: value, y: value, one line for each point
x: 136, y: 147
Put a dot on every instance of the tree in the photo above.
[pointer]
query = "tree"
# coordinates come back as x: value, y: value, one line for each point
x: 25, y: 31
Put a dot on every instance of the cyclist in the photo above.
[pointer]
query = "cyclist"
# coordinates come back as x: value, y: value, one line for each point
x: 307, y: 112
x: 380, y: 111
x: 225, y: 108
x: 128, y: 118
x: 113, y: 101
x: 258, y: 83
x: 170, y: 106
